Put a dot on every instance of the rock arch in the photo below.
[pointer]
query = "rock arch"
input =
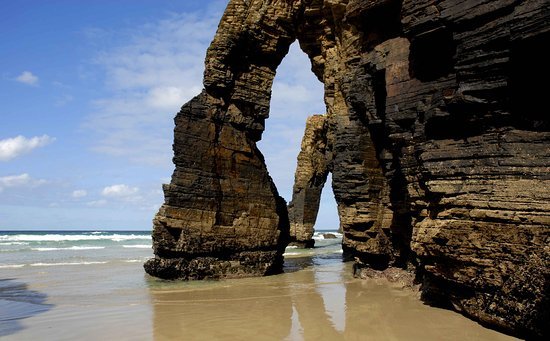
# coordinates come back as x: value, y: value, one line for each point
x: 434, y: 169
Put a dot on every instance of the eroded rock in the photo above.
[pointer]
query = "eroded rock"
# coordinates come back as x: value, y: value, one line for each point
x: 311, y: 175
x: 222, y: 215
x: 439, y: 144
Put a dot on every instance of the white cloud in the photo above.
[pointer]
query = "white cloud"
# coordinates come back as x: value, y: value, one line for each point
x: 119, y: 191
x: 170, y: 97
x: 22, y: 180
x: 14, y: 180
x: 13, y: 147
x: 79, y: 193
x: 27, y: 78
x: 123, y: 194
x: 97, y: 203
x: 156, y: 70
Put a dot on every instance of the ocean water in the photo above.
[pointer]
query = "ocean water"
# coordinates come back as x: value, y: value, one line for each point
x: 60, y: 285
x: 77, y: 248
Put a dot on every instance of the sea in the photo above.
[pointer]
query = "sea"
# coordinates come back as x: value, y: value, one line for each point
x: 90, y: 285
x: 35, y: 249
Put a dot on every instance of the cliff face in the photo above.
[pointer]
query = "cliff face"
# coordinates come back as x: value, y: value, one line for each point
x: 441, y: 151
x: 438, y: 142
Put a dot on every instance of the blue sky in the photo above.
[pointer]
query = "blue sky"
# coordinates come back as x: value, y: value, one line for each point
x: 88, y: 92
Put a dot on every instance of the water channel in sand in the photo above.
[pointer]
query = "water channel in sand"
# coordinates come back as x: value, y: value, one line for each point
x: 316, y: 299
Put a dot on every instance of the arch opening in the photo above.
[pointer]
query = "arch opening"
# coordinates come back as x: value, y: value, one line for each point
x: 297, y: 157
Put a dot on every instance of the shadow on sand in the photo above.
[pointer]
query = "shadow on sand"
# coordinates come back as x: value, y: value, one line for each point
x: 17, y: 303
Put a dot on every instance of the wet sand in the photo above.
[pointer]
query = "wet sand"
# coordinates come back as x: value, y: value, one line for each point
x: 317, y: 299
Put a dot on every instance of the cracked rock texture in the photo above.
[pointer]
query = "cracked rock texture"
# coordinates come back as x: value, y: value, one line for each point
x: 436, y: 134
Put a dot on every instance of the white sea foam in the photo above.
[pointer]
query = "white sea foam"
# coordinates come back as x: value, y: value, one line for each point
x: 68, y: 248
x: 292, y: 247
x: 86, y: 247
x: 13, y: 243
x: 70, y: 237
x: 11, y: 266
x: 291, y: 254
x: 66, y: 263
x: 142, y: 246
x: 320, y: 235
x: 134, y: 261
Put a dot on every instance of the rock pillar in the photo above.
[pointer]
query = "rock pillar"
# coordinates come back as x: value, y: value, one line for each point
x: 222, y: 215
x: 311, y: 175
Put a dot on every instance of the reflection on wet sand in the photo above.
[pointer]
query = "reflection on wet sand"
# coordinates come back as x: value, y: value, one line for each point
x: 310, y: 299
x: 234, y: 310
x: 319, y: 302
x: 17, y: 302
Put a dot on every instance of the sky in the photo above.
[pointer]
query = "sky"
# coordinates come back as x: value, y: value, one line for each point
x: 88, y: 93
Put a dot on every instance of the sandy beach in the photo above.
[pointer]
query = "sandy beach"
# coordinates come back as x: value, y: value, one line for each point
x: 108, y: 296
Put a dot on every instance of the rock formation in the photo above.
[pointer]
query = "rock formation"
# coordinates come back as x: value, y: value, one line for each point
x: 311, y: 175
x: 222, y: 215
x: 439, y: 144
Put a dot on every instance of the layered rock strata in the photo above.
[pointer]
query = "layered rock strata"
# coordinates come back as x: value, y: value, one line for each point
x: 439, y: 140
x: 311, y: 174
x: 222, y: 215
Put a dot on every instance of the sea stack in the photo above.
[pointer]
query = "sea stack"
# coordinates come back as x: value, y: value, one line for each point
x: 311, y: 175
x: 439, y: 140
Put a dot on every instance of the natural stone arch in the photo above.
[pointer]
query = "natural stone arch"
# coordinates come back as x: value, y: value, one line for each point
x: 432, y: 171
